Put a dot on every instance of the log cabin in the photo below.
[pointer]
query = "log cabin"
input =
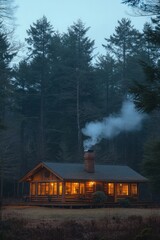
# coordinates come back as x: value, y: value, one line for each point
x: 74, y: 182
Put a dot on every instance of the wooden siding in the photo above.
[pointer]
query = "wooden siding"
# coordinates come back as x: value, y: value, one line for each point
x: 44, y: 175
x: 90, y: 188
x: 43, y: 178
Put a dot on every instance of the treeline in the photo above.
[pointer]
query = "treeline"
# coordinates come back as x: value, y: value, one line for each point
x: 47, y: 98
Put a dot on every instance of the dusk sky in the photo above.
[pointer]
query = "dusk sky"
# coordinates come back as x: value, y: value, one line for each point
x: 100, y: 16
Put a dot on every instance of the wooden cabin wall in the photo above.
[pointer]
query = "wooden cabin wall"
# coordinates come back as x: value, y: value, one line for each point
x: 44, y: 175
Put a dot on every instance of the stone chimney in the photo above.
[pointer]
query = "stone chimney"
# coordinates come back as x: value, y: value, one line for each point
x: 89, y: 157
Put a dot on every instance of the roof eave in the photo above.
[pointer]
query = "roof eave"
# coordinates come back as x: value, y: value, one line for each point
x: 107, y: 180
x: 28, y: 174
x: 49, y: 169
x: 31, y: 172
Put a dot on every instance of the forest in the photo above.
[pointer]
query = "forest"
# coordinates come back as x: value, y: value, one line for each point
x: 47, y: 97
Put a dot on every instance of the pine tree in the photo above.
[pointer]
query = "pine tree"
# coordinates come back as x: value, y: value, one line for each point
x: 78, y: 63
x: 126, y: 48
x: 108, y: 84
x: 147, y: 92
x: 39, y: 41
x: 6, y: 56
x: 151, y: 163
x: 124, y: 43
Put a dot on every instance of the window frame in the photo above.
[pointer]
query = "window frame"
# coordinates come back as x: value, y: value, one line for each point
x: 120, y: 189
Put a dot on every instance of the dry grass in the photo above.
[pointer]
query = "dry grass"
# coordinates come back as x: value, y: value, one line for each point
x: 23, y: 223
x: 62, y: 214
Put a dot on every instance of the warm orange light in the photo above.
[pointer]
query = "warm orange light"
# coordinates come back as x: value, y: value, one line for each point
x: 75, y: 184
x: 91, y: 184
x: 122, y: 189
x: 110, y: 188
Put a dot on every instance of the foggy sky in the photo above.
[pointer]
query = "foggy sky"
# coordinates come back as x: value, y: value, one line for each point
x: 101, y: 16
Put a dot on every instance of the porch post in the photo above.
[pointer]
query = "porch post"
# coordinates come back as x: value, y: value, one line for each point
x: 63, y: 192
x: 129, y: 190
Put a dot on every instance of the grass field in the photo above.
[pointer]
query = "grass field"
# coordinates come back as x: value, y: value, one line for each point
x: 62, y: 214
x: 43, y: 223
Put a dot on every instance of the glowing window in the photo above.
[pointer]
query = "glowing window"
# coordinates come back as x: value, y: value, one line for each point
x: 33, y: 189
x: 82, y: 189
x: 91, y: 184
x: 60, y: 188
x: 53, y: 188
x: 111, y: 189
x: 134, y: 190
x: 47, y: 188
x: 122, y: 189
x: 73, y: 188
x: 41, y: 188
x: 90, y: 187
x: 68, y: 188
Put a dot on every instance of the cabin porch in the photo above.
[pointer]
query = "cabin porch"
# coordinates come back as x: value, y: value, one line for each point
x: 79, y: 192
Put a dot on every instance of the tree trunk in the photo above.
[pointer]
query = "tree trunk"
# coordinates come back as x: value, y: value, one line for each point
x: 42, y: 123
x: 78, y: 115
x: 42, y: 114
x: 22, y: 145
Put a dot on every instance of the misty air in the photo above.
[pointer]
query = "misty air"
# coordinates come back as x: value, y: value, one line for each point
x: 79, y: 120
x: 128, y: 119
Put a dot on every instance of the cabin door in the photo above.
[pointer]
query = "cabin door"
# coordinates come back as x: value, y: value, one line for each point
x: 99, y: 186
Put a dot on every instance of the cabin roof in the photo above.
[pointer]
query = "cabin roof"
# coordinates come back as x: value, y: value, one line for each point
x: 75, y: 171
x: 114, y: 173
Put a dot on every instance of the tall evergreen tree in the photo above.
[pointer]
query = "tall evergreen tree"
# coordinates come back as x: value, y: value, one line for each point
x: 147, y: 92
x: 126, y: 48
x: 6, y: 56
x: 124, y: 43
x: 78, y: 63
x: 108, y: 84
x: 39, y: 41
x: 38, y: 92
x: 151, y: 163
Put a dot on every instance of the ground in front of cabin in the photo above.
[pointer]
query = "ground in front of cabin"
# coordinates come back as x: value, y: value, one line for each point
x: 37, y: 223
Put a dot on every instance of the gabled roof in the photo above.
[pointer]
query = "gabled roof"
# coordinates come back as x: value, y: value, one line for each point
x: 34, y: 170
x: 75, y: 171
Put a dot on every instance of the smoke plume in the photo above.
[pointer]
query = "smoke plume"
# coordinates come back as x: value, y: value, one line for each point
x: 128, y: 119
